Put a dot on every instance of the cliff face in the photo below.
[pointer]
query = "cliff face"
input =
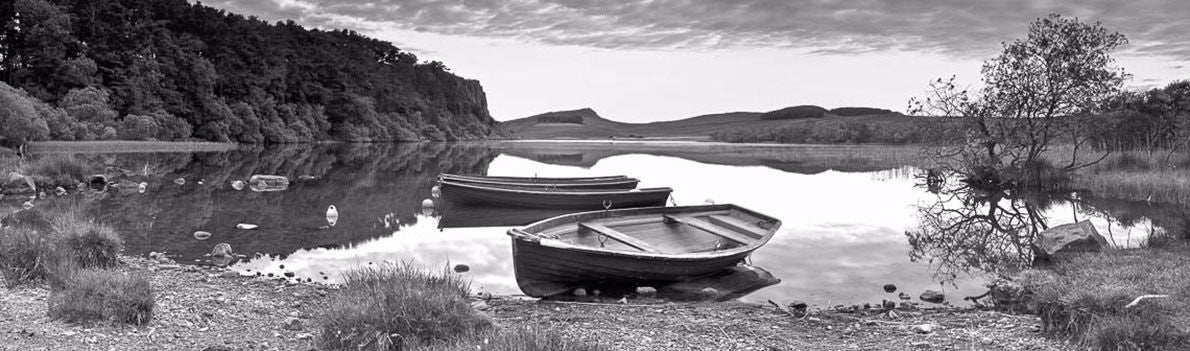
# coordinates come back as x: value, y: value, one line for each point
x: 171, y: 70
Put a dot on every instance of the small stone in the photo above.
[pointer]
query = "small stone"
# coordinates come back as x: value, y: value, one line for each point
x: 798, y: 308
x: 289, y: 274
x: 904, y: 296
x: 889, y: 288
x: 484, y: 295
x: 230, y: 274
x: 292, y: 323
x: 169, y: 267
x: 645, y: 290
x: 888, y: 305
x: 461, y: 268
x: 479, y: 305
x: 922, y: 328
x: 580, y: 292
x: 932, y: 296
x: 305, y: 336
x: 709, y: 291
x: 986, y: 340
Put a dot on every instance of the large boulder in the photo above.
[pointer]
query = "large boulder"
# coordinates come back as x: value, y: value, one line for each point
x: 1068, y: 238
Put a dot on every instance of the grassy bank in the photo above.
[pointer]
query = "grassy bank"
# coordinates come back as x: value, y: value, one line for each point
x: 1089, y: 299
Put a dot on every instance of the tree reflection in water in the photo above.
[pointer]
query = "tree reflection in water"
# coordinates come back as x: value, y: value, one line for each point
x: 972, y: 228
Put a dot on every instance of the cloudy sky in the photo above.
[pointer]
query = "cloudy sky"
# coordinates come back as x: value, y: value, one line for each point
x: 648, y: 60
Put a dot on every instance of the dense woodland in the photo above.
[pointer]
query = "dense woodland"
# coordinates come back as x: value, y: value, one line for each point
x: 171, y: 70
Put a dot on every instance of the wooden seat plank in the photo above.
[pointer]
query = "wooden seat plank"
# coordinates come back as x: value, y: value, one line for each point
x: 618, y: 236
x: 738, y: 225
x: 726, y: 233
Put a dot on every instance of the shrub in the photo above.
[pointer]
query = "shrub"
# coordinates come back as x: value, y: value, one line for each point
x: 397, y: 307
x: 520, y: 340
x: 91, y: 295
x: 25, y: 255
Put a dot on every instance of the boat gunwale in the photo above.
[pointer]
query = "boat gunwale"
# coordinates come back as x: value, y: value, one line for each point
x: 525, y: 234
x: 579, y: 180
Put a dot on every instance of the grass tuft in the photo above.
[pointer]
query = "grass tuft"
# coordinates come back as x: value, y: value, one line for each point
x: 91, y: 295
x: 398, y: 307
x: 89, y: 244
x: 1086, y: 300
x: 519, y: 340
x: 25, y: 255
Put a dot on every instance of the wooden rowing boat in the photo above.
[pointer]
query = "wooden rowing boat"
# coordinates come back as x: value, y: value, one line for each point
x: 641, y: 246
x: 608, y: 182
x: 464, y: 216
x: 460, y: 193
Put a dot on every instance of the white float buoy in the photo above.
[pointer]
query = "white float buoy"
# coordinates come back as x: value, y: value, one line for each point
x: 237, y: 185
x: 201, y: 235
x: 246, y: 226
x: 435, y: 192
x: 332, y: 215
x: 427, y: 203
x: 180, y: 181
x: 141, y: 188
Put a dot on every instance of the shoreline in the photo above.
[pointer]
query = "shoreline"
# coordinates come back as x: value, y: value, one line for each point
x: 199, y: 308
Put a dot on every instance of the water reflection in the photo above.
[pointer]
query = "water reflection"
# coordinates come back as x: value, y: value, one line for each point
x: 970, y: 230
x: 844, y: 219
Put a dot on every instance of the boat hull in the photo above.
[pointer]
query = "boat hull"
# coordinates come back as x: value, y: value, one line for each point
x: 477, y: 195
x: 543, y: 271
x: 650, y: 246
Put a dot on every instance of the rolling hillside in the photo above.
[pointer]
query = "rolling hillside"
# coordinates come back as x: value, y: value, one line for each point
x: 587, y: 124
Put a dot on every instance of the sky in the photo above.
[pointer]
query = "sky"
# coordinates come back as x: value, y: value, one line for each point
x: 653, y: 60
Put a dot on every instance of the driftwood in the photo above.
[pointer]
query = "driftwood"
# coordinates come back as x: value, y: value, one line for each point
x: 1142, y: 297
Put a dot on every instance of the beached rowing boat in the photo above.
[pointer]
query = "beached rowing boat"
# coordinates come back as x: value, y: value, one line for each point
x: 640, y: 246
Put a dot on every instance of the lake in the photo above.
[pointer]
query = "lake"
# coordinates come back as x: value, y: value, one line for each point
x: 854, y: 217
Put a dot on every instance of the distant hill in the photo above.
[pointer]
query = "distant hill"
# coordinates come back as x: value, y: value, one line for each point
x: 588, y: 124
x: 796, y: 112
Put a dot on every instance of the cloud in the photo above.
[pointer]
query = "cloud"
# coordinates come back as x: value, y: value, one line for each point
x: 961, y: 28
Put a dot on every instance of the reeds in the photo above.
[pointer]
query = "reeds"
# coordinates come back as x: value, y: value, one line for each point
x: 1157, y: 177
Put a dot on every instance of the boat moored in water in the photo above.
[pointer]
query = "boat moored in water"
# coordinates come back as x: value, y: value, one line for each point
x: 550, y: 198
x: 607, y: 182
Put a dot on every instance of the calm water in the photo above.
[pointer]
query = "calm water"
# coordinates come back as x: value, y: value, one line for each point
x: 844, y: 234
